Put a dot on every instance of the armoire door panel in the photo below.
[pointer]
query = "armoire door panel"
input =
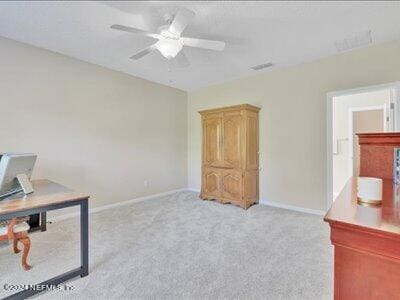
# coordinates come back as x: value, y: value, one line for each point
x: 211, y: 185
x: 252, y: 142
x: 251, y: 185
x: 212, y: 137
x: 232, y: 184
x: 232, y: 140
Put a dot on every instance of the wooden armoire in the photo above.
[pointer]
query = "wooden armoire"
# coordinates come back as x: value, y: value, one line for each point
x: 230, y: 155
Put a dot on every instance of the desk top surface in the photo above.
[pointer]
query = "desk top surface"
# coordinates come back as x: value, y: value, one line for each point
x: 45, y: 193
x: 384, y: 218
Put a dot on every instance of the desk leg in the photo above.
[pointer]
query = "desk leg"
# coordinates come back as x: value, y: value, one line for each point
x: 84, y: 238
x: 43, y: 221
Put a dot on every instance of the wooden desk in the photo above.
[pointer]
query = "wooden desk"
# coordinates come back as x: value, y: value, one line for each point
x: 48, y: 196
x: 367, y: 244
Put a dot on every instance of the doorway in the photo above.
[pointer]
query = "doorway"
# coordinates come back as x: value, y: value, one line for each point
x: 369, y: 109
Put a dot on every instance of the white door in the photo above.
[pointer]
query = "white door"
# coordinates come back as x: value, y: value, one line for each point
x: 365, y: 121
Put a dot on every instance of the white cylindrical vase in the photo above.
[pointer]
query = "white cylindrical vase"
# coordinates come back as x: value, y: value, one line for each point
x: 369, y: 190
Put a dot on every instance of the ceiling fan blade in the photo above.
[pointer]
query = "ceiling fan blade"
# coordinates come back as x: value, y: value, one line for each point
x: 205, y: 44
x: 181, y: 20
x: 144, y: 52
x: 181, y: 60
x: 135, y: 31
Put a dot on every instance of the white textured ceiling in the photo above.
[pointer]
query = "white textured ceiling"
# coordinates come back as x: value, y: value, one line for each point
x: 285, y: 33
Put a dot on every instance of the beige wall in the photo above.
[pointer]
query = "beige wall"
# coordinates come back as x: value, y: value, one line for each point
x: 341, y: 107
x: 106, y: 132
x: 93, y: 129
x: 293, y: 119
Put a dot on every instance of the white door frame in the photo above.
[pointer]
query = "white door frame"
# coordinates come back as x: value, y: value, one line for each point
x: 350, y: 128
x: 395, y: 115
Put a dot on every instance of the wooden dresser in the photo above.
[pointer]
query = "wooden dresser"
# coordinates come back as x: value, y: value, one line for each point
x: 377, y: 153
x: 230, y: 155
x: 367, y: 238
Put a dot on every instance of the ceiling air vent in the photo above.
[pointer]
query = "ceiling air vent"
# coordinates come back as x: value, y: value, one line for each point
x: 356, y: 41
x: 262, y: 66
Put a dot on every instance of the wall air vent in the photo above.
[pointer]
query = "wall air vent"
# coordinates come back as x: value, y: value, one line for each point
x: 353, y: 42
x: 262, y: 66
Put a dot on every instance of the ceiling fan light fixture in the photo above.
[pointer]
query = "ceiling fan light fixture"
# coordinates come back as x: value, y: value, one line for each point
x: 169, y: 48
x: 170, y: 42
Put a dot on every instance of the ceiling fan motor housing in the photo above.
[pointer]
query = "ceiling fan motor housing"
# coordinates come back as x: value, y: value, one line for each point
x: 168, y: 18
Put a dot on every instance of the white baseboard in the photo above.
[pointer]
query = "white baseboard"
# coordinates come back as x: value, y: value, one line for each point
x: 280, y: 205
x: 118, y: 204
x: 295, y: 208
x: 149, y: 197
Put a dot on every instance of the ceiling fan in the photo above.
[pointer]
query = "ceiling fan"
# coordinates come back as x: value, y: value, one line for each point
x: 170, y: 42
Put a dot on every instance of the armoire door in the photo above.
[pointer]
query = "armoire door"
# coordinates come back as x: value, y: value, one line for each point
x: 211, y: 182
x: 212, y: 137
x: 232, y: 132
x: 232, y: 184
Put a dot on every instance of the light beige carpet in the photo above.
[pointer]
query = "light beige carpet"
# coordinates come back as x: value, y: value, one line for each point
x: 179, y: 247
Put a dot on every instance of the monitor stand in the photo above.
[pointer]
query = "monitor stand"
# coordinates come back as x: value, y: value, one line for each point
x: 25, y: 183
x: 25, y: 186
x: 36, y: 221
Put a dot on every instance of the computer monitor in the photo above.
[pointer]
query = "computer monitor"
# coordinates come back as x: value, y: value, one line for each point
x: 15, y: 172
